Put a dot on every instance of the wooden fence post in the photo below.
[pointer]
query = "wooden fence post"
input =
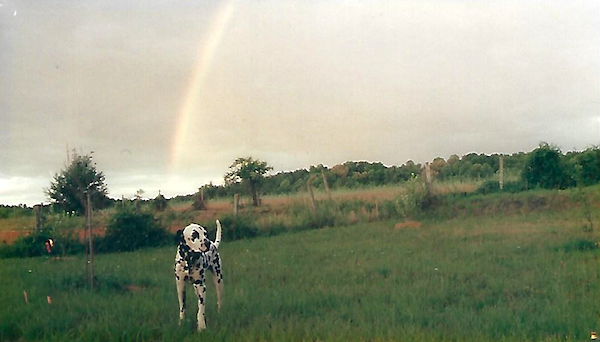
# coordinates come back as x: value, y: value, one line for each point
x: 38, y: 216
x: 326, y: 185
x: 428, y: 177
x: 311, y: 197
x: 236, y: 203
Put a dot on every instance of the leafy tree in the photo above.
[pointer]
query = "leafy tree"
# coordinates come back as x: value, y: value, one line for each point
x: 545, y: 168
x: 69, y: 188
x: 249, y: 171
x: 285, y: 186
x: 160, y: 202
x: 588, y: 171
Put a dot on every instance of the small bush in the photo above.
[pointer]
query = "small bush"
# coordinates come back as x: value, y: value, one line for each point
x: 64, y: 230
x: 129, y: 230
x: 27, y: 246
x: 492, y: 186
x: 579, y: 245
x: 414, y: 200
x: 238, y: 227
x: 160, y: 203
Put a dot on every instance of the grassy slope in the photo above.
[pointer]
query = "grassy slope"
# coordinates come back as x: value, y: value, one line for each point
x: 466, y: 279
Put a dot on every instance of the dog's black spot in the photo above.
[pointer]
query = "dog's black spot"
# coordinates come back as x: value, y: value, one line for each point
x: 195, y: 235
x: 201, y: 300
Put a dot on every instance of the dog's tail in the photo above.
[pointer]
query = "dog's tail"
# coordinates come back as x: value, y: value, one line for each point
x: 218, y: 238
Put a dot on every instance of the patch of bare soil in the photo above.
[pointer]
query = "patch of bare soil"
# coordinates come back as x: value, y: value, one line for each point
x: 9, y: 236
x: 407, y: 224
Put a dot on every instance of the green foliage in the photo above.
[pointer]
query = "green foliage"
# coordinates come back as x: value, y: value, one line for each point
x: 579, y: 245
x: 249, y: 171
x: 473, y: 279
x: 10, y: 211
x: 492, y: 186
x: 31, y: 245
x: 546, y: 169
x: 520, y: 170
x: 239, y: 227
x: 160, y: 202
x: 588, y: 166
x: 60, y: 227
x: 129, y: 230
x: 413, y: 200
x: 65, y: 229
x: 68, y: 189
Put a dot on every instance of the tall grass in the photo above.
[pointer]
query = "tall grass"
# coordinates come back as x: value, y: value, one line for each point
x: 519, y: 277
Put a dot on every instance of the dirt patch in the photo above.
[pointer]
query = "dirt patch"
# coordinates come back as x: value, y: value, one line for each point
x: 98, y: 231
x: 134, y: 288
x: 9, y: 236
x: 407, y: 224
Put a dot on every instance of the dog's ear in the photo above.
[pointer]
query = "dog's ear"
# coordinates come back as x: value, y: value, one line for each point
x: 179, y: 236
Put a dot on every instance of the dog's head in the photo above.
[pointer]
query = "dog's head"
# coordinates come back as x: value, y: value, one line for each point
x: 195, y: 238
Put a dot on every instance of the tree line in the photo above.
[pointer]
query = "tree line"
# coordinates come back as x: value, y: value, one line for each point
x: 545, y: 167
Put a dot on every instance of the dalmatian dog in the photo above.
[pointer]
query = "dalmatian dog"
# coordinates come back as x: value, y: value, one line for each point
x: 196, y: 255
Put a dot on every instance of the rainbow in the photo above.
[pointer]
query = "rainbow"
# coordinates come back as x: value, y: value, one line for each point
x: 190, y: 103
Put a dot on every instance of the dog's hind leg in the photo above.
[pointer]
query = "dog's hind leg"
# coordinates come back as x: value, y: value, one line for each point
x: 181, y: 296
x: 218, y: 281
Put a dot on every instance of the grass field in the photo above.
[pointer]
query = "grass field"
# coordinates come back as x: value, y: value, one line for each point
x: 527, y: 276
x: 275, y: 209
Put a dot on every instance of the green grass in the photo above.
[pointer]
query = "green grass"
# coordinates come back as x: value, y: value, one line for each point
x: 521, y: 277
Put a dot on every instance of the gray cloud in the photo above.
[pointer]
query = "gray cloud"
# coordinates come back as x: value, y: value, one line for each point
x: 295, y: 83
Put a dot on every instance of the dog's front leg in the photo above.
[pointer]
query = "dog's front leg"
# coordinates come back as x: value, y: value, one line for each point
x: 181, y: 296
x: 200, y: 289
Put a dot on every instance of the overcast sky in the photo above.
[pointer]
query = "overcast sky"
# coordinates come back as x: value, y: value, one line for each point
x: 168, y: 93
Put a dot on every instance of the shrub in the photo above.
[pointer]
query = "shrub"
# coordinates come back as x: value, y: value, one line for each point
x: 61, y: 228
x: 414, y: 199
x: 238, y: 227
x: 129, y: 230
x: 545, y: 168
x: 579, y: 245
x: 31, y: 245
x: 64, y: 230
x: 492, y: 186
x: 160, y: 202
